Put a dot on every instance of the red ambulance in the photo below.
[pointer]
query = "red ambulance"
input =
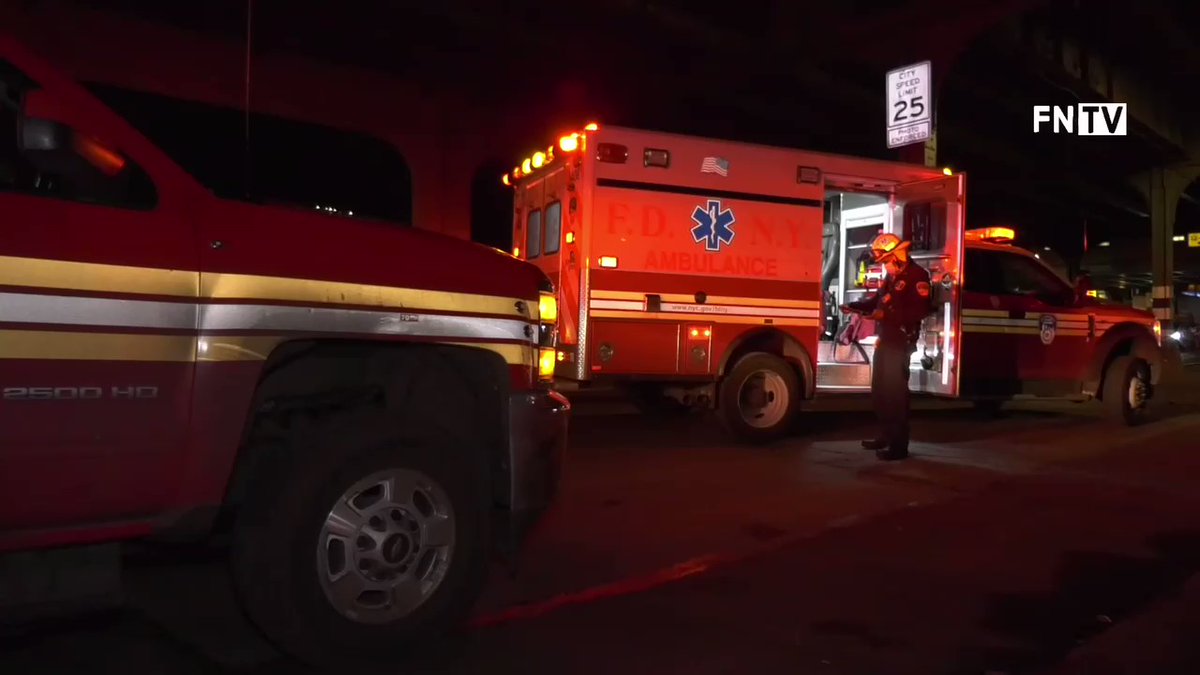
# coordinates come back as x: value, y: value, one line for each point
x: 708, y: 273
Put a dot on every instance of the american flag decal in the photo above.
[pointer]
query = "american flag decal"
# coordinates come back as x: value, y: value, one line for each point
x: 715, y: 165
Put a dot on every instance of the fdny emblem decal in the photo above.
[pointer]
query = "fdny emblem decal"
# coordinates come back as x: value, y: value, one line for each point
x: 1049, y: 326
x: 714, y: 226
x: 901, y: 285
x: 923, y: 289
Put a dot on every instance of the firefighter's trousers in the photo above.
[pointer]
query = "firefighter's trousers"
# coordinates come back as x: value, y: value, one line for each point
x: 889, y: 391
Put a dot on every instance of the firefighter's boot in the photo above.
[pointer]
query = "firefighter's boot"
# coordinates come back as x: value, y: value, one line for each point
x: 891, y: 454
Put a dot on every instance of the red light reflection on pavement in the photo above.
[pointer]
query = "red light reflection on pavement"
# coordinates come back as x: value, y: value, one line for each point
x: 616, y: 589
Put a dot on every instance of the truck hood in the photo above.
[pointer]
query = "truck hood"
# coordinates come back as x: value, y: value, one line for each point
x: 300, y: 244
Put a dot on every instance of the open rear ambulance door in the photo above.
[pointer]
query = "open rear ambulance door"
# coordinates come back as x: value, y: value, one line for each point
x: 933, y: 216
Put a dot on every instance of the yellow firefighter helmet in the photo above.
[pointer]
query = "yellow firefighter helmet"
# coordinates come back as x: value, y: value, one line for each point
x: 888, y: 246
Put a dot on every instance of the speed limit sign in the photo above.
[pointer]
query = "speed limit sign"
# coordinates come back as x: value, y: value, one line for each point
x: 910, y: 108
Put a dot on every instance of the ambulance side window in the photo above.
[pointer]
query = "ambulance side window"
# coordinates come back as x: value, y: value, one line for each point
x: 553, y: 227
x: 533, y: 234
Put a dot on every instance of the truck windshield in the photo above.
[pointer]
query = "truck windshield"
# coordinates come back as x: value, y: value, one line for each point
x: 288, y: 162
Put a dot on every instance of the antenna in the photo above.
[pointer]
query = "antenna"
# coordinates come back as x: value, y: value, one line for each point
x: 246, y: 155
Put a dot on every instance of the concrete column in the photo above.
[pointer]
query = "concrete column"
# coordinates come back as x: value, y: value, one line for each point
x: 1162, y: 201
x: 1163, y: 187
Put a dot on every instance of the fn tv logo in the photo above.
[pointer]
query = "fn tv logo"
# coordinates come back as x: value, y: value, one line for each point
x: 1085, y: 119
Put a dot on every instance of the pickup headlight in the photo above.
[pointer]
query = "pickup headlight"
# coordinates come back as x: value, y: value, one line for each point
x: 547, y: 308
x: 547, y: 335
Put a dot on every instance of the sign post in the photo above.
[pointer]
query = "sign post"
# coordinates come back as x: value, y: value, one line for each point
x: 909, y: 105
x: 1194, y: 240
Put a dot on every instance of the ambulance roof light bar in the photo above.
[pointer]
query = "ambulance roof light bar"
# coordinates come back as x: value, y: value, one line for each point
x: 566, y: 143
x: 993, y: 235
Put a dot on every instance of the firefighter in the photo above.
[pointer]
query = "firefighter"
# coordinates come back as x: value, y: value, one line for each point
x: 898, y: 307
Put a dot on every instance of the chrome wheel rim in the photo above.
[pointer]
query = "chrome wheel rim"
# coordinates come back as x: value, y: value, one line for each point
x: 385, y: 546
x: 763, y: 399
x: 1138, y: 393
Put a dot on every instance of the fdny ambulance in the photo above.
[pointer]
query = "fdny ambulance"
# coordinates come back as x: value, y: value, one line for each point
x: 708, y: 273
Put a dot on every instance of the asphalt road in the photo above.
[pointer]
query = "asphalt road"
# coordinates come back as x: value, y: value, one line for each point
x: 1004, y: 545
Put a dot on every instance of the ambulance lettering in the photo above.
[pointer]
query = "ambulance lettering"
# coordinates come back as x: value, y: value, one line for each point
x: 667, y: 261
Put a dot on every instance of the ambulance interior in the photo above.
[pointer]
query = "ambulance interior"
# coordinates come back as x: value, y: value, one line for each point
x: 852, y: 220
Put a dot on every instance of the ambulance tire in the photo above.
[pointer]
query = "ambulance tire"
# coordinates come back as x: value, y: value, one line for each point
x: 1127, y: 390
x: 276, y: 549
x: 781, y: 388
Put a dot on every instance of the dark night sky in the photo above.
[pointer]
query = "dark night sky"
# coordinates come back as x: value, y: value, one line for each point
x: 714, y: 69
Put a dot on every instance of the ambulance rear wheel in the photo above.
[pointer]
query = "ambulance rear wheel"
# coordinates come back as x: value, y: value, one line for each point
x: 1127, y: 390
x: 759, y: 398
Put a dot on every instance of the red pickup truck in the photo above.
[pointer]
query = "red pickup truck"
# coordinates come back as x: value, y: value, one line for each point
x: 366, y: 406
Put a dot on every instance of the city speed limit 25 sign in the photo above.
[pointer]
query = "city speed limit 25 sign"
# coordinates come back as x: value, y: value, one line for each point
x: 909, y: 106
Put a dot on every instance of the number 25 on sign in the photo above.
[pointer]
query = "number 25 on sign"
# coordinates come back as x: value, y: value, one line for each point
x: 910, y: 119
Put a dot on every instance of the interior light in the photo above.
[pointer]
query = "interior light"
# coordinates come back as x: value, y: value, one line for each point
x: 1105, y: 243
x: 562, y: 356
x: 695, y: 332
x: 539, y: 158
x: 569, y: 143
x: 1178, y: 237
x: 707, y: 332
x: 608, y: 261
x: 570, y: 237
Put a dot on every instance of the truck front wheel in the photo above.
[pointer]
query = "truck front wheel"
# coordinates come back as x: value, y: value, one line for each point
x: 360, y: 543
x: 759, y: 398
x: 1127, y: 389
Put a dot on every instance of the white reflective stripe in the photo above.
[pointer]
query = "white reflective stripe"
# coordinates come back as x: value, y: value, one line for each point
x: 996, y: 321
x: 946, y: 330
x: 78, y: 311
x: 685, y: 308
x: 314, y: 319
x: 617, y: 304
x: 185, y: 316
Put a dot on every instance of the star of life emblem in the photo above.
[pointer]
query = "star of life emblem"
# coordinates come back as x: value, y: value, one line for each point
x: 714, y: 225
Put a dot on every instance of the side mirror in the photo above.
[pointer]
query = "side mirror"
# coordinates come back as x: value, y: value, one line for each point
x: 53, y: 145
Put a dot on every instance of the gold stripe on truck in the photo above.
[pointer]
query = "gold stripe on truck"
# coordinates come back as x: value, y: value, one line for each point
x: 77, y: 346
x: 96, y: 277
